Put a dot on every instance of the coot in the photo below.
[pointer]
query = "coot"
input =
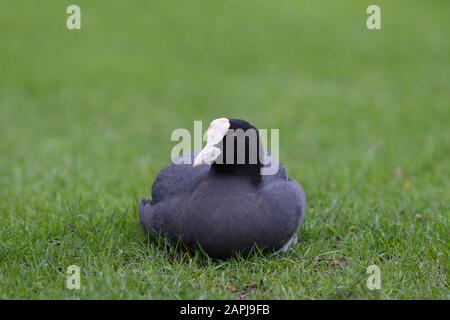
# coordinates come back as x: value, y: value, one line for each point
x: 222, y: 203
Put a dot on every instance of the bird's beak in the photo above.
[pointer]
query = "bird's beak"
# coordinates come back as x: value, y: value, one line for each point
x: 215, y: 133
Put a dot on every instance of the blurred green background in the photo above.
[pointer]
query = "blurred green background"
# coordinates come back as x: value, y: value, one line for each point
x: 86, y: 117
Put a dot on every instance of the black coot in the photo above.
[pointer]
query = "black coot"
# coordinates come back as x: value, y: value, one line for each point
x: 222, y: 202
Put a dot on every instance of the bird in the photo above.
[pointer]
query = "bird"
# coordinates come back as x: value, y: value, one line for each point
x: 219, y: 201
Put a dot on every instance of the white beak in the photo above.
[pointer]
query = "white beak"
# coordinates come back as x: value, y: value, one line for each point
x: 216, y: 131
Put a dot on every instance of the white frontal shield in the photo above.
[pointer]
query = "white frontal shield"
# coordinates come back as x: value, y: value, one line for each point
x: 215, y: 133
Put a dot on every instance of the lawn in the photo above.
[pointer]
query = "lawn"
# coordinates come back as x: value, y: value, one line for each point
x: 86, y: 117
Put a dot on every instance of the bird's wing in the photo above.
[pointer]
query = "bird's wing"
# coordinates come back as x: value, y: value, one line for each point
x: 287, y: 201
x: 177, y: 178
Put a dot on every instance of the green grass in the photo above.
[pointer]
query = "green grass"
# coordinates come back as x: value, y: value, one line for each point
x: 86, y: 118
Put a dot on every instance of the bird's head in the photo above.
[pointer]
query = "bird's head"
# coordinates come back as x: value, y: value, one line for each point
x: 232, y: 144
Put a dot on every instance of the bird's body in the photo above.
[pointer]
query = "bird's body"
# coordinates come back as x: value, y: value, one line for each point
x: 224, y: 211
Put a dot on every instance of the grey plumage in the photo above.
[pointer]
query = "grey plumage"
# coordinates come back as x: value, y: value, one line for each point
x: 224, y: 213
